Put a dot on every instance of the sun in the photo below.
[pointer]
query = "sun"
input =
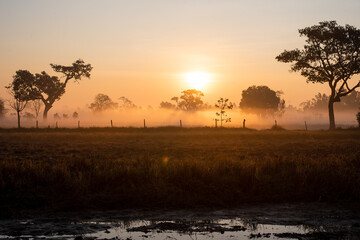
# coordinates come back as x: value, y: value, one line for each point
x: 197, y: 80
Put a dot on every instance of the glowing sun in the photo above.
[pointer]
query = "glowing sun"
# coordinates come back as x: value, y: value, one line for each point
x: 197, y: 80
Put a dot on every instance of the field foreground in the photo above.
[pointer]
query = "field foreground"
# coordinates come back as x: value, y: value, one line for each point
x: 174, y: 168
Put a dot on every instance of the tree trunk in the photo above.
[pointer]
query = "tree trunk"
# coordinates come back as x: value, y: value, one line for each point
x: 18, y: 115
x: 46, y: 109
x: 331, y: 114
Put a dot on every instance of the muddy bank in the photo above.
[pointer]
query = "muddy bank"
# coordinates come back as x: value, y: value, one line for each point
x: 282, y: 221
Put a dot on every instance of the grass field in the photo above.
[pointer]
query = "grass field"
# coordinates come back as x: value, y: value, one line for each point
x: 66, y: 169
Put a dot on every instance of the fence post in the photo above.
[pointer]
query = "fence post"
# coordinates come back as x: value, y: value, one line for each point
x: 144, y: 124
x: 180, y: 124
x: 78, y: 123
x: 37, y: 124
x: 111, y: 123
x: 244, y: 123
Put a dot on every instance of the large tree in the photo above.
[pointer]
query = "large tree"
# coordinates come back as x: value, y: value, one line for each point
x: 50, y: 88
x: 331, y: 56
x: 55, y: 90
x: 262, y: 101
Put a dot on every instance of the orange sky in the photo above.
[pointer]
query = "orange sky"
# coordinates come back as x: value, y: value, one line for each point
x: 139, y: 49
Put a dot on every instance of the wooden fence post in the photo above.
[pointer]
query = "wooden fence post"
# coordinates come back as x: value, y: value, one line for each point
x: 180, y: 124
x: 144, y: 124
x: 111, y: 123
x: 244, y: 123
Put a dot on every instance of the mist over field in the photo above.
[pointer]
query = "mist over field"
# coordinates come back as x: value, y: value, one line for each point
x: 157, y: 117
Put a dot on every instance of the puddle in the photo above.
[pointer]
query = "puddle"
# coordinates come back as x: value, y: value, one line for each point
x: 300, y: 221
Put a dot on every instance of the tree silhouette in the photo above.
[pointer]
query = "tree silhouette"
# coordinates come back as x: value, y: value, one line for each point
x: 19, y: 91
x: 126, y: 103
x: 320, y: 102
x: 29, y: 116
x: 57, y: 116
x: 317, y: 103
x: 261, y: 100
x: 52, y: 86
x: 222, y: 104
x: 75, y: 115
x: 102, y: 102
x: 49, y: 88
x: 2, y: 108
x: 167, y: 105
x: 36, y: 106
x: 331, y: 55
x: 190, y: 100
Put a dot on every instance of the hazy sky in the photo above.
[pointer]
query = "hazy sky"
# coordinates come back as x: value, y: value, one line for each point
x: 140, y: 49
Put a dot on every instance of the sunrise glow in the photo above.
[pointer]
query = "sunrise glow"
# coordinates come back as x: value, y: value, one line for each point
x: 197, y: 80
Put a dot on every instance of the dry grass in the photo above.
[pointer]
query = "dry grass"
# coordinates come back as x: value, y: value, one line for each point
x: 167, y: 167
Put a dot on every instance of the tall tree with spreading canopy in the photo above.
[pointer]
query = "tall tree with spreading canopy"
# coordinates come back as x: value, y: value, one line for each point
x: 331, y: 56
x: 50, y: 88
x: 53, y: 88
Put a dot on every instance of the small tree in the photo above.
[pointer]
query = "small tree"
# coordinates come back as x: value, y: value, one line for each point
x: 190, y: 100
x: 57, y: 116
x: 75, y: 115
x: 126, y: 103
x: 2, y: 108
x: 167, y: 105
x: 20, y: 94
x: 331, y: 55
x: 36, y: 106
x: 102, y: 102
x: 222, y: 104
x: 29, y: 116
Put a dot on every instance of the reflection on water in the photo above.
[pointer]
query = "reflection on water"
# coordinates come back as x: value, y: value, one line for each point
x: 269, y: 222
